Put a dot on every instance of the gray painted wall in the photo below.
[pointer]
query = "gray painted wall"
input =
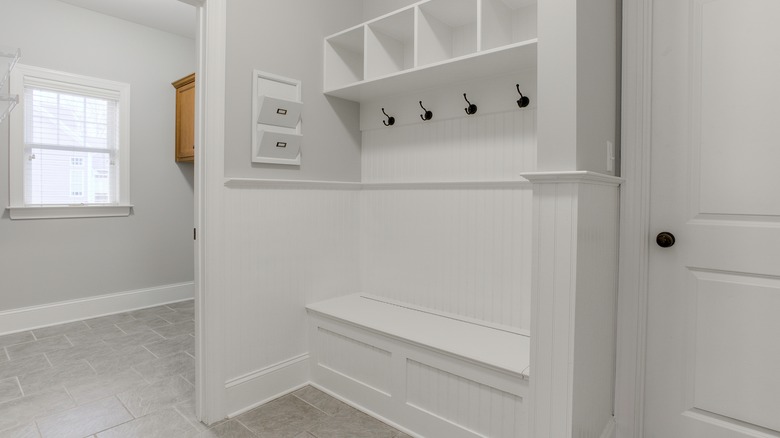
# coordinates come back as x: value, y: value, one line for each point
x: 285, y: 37
x: 45, y: 261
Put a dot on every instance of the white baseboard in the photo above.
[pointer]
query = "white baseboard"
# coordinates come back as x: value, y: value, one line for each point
x: 28, y: 318
x: 610, y: 429
x: 256, y: 388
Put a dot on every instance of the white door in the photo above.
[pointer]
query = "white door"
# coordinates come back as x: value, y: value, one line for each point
x: 713, y: 346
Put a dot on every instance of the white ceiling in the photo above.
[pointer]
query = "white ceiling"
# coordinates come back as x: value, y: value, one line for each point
x: 171, y: 16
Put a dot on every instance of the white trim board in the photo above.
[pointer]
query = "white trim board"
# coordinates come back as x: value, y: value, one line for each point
x: 634, y: 217
x: 28, y: 318
x: 242, y: 393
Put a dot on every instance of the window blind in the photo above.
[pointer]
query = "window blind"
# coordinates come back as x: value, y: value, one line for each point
x: 71, y: 140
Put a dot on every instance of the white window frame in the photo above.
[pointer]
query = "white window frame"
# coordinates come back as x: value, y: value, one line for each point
x: 22, y: 75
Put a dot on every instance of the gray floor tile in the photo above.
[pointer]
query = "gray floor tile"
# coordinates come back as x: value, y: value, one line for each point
x: 150, y: 312
x: 142, y: 325
x: 109, y: 320
x: 3, y: 355
x: 61, y: 329
x: 26, y: 431
x: 157, y: 396
x: 16, y: 338
x: 162, y: 424
x: 35, y: 347
x: 78, y: 353
x: 189, y: 376
x: 228, y: 429
x: 187, y: 410
x: 21, y: 366
x: 178, y: 363
x: 188, y: 304
x: 95, y: 388
x: 10, y: 389
x: 121, y: 360
x: 167, y: 347
x: 95, y: 336
x: 174, y: 330
x: 322, y: 401
x: 352, y: 424
x: 402, y: 435
x: 24, y: 410
x: 134, y: 340
x: 178, y: 317
x: 42, y: 380
x: 285, y: 417
x: 84, y: 420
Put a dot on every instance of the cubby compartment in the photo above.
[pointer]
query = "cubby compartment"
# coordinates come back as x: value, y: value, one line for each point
x: 446, y: 29
x: 344, y: 56
x: 506, y: 22
x: 390, y: 44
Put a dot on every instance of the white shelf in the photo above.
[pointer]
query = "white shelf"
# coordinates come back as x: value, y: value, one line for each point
x: 7, y: 104
x: 8, y: 58
x: 518, y: 56
x: 430, y: 43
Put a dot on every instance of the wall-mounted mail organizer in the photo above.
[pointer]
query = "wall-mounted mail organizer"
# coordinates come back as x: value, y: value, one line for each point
x: 276, y: 118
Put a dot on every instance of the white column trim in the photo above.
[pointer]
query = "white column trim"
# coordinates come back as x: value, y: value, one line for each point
x: 209, y: 180
x: 634, y: 217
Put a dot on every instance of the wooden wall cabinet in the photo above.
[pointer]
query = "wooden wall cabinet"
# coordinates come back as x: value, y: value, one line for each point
x: 185, y: 118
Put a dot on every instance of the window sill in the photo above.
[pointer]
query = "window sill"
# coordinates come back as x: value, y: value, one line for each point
x: 69, y: 211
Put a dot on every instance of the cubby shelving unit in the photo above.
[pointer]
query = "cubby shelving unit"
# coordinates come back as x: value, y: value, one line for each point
x: 429, y: 43
x: 8, y: 58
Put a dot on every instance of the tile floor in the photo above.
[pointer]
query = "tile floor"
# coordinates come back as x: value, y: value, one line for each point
x: 132, y: 375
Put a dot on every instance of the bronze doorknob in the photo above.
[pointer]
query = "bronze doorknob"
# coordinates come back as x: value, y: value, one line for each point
x: 665, y: 239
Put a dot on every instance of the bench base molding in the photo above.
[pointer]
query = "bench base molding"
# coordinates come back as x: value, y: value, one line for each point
x: 417, y: 389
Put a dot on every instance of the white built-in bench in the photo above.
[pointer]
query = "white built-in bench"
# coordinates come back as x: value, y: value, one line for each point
x: 434, y: 374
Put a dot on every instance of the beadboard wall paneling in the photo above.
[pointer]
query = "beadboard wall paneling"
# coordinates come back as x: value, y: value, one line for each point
x: 465, y: 251
x: 483, y: 147
x: 288, y: 247
x: 471, y: 405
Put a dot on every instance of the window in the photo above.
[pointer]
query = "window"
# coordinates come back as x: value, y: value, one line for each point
x: 69, y: 146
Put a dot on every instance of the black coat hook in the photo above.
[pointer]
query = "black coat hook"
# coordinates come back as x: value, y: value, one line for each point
x: 428, y: 114
x: 390, y: 120
x: 472, y: 109
x: 524, y: 100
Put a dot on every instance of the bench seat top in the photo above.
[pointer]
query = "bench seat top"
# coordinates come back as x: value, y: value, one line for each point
x: 489, y: 346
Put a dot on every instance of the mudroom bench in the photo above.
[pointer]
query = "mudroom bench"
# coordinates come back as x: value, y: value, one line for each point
x: 428, y: 373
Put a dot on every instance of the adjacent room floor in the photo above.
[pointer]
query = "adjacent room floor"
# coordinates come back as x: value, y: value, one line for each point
x: 132, y: 375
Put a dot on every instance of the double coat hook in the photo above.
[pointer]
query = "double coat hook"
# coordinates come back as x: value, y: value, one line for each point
x: 428, y: 114
x: 524, y: 100
x: 472, y: 109
x: 390, y: 120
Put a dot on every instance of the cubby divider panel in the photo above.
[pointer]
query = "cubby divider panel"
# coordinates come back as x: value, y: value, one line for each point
x: 344, y: 58
x: 446, y: 29
x: 507, y: 22
x: 390, y: 44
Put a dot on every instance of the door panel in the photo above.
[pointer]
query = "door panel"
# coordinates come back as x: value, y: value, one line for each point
x: 736, y: 358
x: 713, y: 345
x: 734, y: 49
